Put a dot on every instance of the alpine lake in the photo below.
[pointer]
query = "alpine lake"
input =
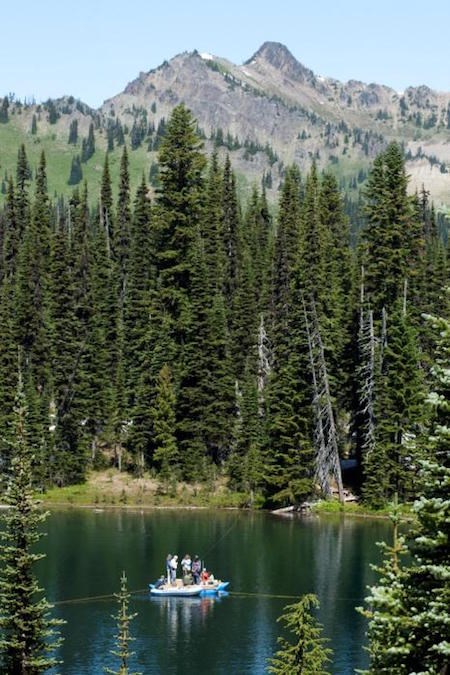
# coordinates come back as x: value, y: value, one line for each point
x: 269, y: 561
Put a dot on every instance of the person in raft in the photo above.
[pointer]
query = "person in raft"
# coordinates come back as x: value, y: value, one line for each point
x: 186, y: 565
x: 173, y: 568
x: 204, y: 576
x: 168, y: 559
x: 195, y: 569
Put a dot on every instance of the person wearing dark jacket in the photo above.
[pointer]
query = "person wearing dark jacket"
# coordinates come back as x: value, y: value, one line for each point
x: 195, y: 569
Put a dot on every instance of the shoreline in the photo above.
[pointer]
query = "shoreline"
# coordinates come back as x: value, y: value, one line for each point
x: 111, y: 490
x: 136, y: 507
x: 318, y: 509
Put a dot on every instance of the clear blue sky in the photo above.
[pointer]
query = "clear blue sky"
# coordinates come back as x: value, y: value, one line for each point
x: 93, y: 48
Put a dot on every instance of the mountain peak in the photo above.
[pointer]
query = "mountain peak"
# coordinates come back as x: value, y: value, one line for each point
x: 278, y: 56
x: 273, y: 52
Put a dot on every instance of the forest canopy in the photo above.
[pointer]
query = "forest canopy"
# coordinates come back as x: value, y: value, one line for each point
x: 194, y: 331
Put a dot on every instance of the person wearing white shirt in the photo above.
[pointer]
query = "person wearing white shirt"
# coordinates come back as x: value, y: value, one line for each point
x: 173, y: 568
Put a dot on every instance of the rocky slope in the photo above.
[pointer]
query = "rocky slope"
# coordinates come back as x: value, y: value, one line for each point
x: 267, y: 113
x: 274, y: 103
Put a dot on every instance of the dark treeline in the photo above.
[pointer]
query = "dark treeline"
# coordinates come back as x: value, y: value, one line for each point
x: 193, y: 335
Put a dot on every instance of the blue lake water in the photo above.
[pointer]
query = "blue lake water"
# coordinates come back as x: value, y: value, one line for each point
x: 270, y: 561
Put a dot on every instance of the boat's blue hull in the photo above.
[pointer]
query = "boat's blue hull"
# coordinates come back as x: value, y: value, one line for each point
x: 218, y: 588
x: 193, y: 591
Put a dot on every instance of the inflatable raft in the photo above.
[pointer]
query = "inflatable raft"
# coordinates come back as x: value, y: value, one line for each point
x: 190, y: 591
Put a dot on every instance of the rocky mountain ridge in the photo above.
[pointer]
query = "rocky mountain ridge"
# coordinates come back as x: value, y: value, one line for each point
x: 274, y: 101
x: 266, y: 113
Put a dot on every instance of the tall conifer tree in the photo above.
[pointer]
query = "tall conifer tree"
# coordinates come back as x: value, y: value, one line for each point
x: 399, y: 394
x: 388, y: 620
x: 29, y: 636
x: 31, y: 289
x: 122, y: 244
x: 177, y: 227
x: 8, y: 366
x: 230, y: 231
x: 307, y: 653
x: 22, y: 201
x: 141, y: 280
x: 290, y: 451
x: 409, y: 617
x: 123, y: 637
x: 166, y: 455
x: 11, y: 232
x: 392, y: 239
x: 107, y: 221
x: 212, y: 228
x: 68, y: 337
x: 178, y: 212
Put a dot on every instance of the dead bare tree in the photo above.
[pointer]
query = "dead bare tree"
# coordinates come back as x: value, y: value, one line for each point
x: 264, y: 364
x: 367, y: 346
x: 327, y: 464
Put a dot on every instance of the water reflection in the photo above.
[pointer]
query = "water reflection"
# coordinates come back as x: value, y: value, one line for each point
x: 185, y: 615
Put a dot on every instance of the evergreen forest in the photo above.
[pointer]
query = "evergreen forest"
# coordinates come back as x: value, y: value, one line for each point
x: 192, y: 335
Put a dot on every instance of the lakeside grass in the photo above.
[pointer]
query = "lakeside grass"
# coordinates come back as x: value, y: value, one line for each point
x: 113, y: 489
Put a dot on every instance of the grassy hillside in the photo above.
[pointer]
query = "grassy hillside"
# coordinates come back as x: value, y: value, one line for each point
x: 53, y: 140
x: 252, y: 164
